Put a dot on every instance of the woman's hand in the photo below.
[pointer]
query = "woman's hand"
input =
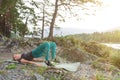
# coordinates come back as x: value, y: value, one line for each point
x: 37, y: 64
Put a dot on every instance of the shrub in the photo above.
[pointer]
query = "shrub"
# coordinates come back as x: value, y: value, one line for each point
x: 67, y: 41
x: 115, y: 58
x: 96, y: 49
x: 73, y: 54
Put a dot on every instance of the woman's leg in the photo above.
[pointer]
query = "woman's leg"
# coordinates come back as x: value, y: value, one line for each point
x: 47, y: 52
x: 53, y: 49
x: 42, y: 50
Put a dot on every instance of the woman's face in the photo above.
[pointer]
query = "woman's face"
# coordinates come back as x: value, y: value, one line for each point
x: 16, y: 56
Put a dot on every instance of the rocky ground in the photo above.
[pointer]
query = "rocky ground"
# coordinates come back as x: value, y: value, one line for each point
x: 88, y: 70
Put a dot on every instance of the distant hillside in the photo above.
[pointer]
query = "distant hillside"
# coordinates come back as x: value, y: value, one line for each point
x: 64, y: 32
x: 111, y: 36
x: 68, y: 31
x: 114, y: 29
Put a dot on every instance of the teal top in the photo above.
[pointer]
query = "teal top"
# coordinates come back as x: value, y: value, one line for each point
x: 47, y: 49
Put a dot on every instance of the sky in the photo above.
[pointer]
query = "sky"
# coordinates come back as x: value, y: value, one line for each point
x: 106, y: 17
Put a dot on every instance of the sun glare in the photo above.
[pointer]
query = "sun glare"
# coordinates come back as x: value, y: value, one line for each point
x: 106, y: 17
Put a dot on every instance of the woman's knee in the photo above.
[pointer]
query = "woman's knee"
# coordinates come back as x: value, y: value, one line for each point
x: 46, y: 44
x: 54, y: 44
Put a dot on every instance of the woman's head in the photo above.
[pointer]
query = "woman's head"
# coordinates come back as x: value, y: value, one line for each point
x: 16, y: 57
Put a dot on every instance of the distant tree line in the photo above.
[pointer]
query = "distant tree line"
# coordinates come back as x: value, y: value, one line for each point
x: 113, y: 36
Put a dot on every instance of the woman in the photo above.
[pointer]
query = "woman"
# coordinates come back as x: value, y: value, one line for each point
x: 47, y: 49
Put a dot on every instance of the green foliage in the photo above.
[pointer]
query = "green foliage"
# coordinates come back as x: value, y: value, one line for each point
x: 83, y: 78
x: 98, y: 2
x: 101, y: 37
x: 101, y: 50
x: 95, y: 64
x: 40, y: 70
x: 99, y: 76
x: 75, y: 47
x: 53, y: 78
x: 11, y: 66
x: 115, y: 58
x: 118, y: 73
x: 22, y: 28
x: 96, y: 49
x: 19, y: 11
x: 1, y: 62
x: 74, y: 54
x: 67, y: 41
x: 72, y: 47
x: 6, y: 5
x: 2, y: 72
x: 8, y: 15
x: 15, y: 11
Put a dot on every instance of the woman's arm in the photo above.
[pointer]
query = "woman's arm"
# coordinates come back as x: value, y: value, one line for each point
x: 29, y: 62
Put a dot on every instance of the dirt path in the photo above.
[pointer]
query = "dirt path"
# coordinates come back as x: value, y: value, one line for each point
x: 5, y: 54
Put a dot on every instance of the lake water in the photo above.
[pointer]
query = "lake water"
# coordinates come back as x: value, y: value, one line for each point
x: 115, y: 46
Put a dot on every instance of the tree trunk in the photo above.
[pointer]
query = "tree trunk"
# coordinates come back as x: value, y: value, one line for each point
x: 5, y: 26
x: 43, y: 22
x: 2, y: 24
x: 5, y: 23
x: 1, y: 2
x: 53, y: 21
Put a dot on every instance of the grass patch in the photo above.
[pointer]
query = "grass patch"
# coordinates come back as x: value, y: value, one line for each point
x: 99, y: 76
x: 1, y: 62
x: 96, y: 49
x: 115, y: 58
x: 11, y: 66
x: 73, y: 54
x: 2, y: 72
x: 40, y: 70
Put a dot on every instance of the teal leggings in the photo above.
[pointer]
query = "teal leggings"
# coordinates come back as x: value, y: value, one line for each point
x: 47, y: 49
